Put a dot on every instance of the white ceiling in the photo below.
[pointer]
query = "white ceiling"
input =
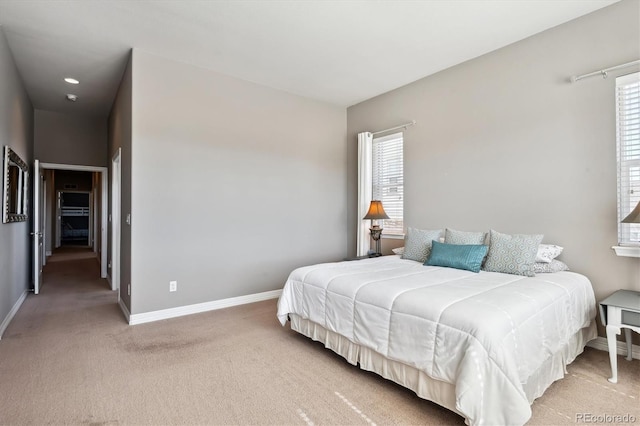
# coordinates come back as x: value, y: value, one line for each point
x: 341, y: 52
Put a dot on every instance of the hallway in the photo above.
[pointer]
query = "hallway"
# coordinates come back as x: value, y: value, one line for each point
x: 72, y: 292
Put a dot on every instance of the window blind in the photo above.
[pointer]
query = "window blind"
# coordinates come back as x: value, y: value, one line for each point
x: 388, y: 181
x: 628, y: 141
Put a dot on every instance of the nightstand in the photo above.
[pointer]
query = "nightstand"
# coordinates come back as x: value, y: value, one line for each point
x: 620, y: 310
x: 366, y: 256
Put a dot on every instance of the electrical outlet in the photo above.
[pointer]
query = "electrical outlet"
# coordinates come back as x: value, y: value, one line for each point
x: 173, y: 285
x: 129, y: 289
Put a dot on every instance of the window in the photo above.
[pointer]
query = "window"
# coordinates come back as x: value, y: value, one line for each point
x: 388, y: 181
x: 628, y: 141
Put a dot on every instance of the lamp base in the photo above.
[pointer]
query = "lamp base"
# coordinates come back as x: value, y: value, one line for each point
x: 376, y: 233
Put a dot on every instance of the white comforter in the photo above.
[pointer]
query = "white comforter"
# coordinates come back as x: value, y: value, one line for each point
x: 485, y: 333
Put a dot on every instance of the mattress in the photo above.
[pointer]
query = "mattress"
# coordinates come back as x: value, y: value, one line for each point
x: 490, y: 336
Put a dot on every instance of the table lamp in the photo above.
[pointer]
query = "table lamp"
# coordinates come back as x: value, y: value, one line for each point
x: 376, y: 212
x: 634, y: 216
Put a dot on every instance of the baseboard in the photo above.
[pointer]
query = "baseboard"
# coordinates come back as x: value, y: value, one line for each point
x: 600, y: 343
x: 12, y: 312
x: 124, y: 310
x: 201, y: 307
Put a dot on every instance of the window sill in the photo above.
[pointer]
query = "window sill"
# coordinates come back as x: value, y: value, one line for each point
x: 392, y: 237
x: 627, y: 251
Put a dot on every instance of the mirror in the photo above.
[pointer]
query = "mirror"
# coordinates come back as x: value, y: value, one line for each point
x: 15, y: 173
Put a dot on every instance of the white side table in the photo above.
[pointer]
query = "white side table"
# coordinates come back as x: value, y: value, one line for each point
x: 618, y: 311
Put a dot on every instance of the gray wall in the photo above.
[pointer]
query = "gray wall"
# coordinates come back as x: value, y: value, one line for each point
x: 16, y: 130
x: 76, y: 139
x: 119, y: 137
x: 70, y: 139
x: 505, y: 142
x: 233, y: 184
x: 82, y: 180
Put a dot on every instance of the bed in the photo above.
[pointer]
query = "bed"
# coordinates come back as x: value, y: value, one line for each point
x: 484, y: 345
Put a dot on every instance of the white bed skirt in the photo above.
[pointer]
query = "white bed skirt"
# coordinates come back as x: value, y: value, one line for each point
x: 442, y: 393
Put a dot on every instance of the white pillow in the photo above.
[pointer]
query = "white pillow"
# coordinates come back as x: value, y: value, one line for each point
x: 398, y: 250
x: 548, y: 252
x: 551, y: 267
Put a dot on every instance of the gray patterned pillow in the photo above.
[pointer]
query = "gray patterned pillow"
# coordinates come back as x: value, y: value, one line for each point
x: 551, y: 267
x: 512, y: 254
x: 451, y: 236
x: 417, y: 244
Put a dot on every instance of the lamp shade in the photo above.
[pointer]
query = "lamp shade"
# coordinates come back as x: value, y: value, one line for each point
x: 376, y: 211
x: 634, y: 216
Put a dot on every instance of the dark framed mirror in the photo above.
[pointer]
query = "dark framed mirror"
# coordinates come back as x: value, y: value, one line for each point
x: 14, y: 192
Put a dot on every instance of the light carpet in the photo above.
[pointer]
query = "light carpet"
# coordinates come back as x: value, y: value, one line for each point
x: 69, y: 357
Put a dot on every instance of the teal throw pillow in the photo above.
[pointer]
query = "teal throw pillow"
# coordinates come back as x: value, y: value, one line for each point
x: 459, y: 256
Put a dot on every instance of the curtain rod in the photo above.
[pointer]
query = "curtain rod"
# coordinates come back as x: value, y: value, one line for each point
x: 403, y: 126
x: 603, y: 72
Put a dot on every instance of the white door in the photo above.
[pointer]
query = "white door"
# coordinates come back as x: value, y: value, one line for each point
x: 115, y: 223
x: 91, y: 222
x: 95, y: 195
x: 58, y: 219
x: 43, y: 220
x: 37, y: 227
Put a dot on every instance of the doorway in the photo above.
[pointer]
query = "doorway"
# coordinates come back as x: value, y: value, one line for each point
x: 75, y: 217
x: 75, y: 210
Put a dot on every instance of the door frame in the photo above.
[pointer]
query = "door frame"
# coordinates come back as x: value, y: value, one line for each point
x: 105, y: 204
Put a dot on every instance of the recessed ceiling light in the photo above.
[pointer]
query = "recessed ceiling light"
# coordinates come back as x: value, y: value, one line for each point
x: 71, y: 80
x: 71, y: 97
